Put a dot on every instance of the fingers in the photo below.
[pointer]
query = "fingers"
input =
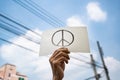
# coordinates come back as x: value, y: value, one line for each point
x: 60, y: 54
x: 64, y: 50
x: 60, y: 62
x: 61, y: 50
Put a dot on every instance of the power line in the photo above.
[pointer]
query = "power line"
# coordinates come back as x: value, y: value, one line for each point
x: 18, y: 45
x: 44, y: 12
x: 98, y: 75
x: 86, y: 62
x: 97, y: 63
x: 84, y: 66
x: 77, y: 64
x: 16, y: 33
x: 11, y: 26
x: 30, y: 9
x: 15, y: 30
x: 84, y: 56
x: 21, y: 25
x: 80, y: 60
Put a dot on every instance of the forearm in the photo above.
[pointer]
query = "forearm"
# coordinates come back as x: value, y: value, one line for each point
x: 58, y: 74
x: 56, y: 78
x: 57, y: 61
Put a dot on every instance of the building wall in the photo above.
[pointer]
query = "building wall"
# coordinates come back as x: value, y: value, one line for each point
x: 1, y: 72
x: 8, y: 72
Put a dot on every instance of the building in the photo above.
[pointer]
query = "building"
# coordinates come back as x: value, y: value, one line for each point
x: 8, y: 72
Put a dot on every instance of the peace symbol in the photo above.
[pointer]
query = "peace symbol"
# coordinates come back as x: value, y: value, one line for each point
x: 62, y: 38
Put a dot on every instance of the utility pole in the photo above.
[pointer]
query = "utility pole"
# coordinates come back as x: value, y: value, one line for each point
x: 104, y: 66
x: 94, y: 67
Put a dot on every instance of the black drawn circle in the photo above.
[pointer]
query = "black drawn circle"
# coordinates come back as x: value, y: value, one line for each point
x: 62, y: 39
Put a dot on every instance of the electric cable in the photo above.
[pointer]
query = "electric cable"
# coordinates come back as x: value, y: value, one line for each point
x: 96, y: 63
x: 85, y: 61
x: 17, y: 45
x: 16, y: 33
x: 84, y: 66
x: 21, y: 25
x: 30, y: 9
x: 46, y: 13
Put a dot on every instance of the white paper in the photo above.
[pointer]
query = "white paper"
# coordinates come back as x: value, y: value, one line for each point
x: 74, y: 38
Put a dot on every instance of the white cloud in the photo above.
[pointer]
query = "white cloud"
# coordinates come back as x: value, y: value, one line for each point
x: 112, y: 63
x: 75, y: 21
x: 33, y: 36
x: 28, y: 62
x: 95, y: 12
x: 113, y: 66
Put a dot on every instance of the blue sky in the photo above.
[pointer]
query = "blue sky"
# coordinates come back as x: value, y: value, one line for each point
x: 101, y: 17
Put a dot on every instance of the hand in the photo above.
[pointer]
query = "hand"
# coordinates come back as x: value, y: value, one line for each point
x: 57, y: 61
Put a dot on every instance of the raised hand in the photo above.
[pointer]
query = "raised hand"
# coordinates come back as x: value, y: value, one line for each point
x: 57, y: 61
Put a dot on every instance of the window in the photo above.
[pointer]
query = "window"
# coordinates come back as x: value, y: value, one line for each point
x: 11, y: 69
x: 1, y: 78
x: 9, y: 75
x: 21, y: 78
